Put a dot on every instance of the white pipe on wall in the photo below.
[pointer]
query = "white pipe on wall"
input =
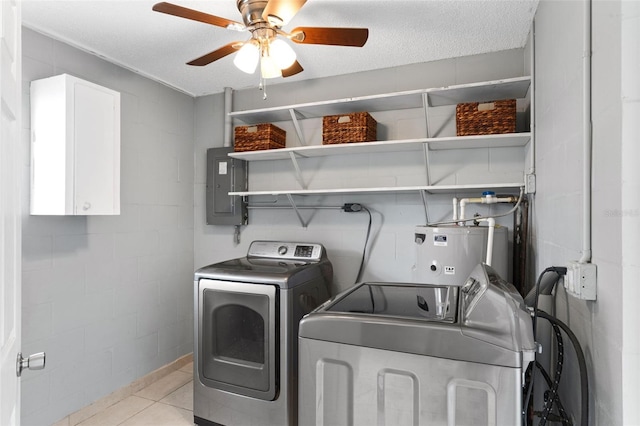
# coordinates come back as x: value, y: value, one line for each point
x: 588, y: 137
x: 228, y: 124
x: 532, y: 105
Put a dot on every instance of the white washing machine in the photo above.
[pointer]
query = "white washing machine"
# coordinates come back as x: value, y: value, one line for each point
x: 416, y: 354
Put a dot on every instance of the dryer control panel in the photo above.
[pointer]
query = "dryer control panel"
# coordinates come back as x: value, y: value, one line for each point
x: 286, y: 250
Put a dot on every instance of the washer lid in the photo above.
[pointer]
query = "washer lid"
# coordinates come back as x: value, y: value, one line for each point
x: 486, y: 324
x: 436, y: 303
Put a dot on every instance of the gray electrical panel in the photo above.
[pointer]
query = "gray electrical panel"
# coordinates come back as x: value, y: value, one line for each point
x: 224, y: 175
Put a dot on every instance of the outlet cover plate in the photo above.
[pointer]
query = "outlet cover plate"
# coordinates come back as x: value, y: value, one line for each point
x: 581, y: 280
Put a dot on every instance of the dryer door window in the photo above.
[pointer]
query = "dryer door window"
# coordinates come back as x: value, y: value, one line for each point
x: 238, y: 331
x: 238, y: 336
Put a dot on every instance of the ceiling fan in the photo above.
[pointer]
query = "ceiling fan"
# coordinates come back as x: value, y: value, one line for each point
x: 264, y: 19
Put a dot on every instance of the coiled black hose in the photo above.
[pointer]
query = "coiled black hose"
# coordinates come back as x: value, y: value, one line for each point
x: 582, y: 364
x: 531, y: 300
x: 553, y: 396
x: 547, y: 378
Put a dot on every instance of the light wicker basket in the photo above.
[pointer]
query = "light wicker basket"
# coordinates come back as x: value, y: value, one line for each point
x: 258, y: 137
x: 488, y: 118
x: 348, y: 128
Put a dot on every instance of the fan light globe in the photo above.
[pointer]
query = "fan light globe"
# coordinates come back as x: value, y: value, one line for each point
x: 282, y: 53
x: 269, y: 68
x: 247, y: 58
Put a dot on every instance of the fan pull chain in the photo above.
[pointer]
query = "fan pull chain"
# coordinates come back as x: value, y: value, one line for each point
x: 263, y: 87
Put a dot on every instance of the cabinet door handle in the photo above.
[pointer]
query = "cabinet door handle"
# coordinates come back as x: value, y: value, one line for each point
x: 86, y: 206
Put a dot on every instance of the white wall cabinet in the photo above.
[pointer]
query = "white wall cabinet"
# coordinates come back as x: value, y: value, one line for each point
x: 423, y: 144
x: 75, y: 147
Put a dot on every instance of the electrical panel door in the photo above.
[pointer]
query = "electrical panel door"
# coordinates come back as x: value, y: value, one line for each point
x: 225, y: 174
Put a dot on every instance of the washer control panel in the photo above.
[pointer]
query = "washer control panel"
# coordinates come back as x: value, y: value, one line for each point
x: 286, y: 250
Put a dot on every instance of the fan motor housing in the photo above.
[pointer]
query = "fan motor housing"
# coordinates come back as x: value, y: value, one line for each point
x: 251, y: 11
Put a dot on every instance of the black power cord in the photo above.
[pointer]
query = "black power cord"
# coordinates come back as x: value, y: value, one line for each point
x: 354, y: 208
x: 560, y: 270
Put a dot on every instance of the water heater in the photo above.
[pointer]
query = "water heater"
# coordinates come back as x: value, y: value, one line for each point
x: 447, y: 254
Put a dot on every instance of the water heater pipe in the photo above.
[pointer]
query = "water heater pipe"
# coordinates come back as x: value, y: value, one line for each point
x: 228, y: 124
x: 489, y: 199
x: 491, y: 222
x: 455, y: 208
x: 511, y: 211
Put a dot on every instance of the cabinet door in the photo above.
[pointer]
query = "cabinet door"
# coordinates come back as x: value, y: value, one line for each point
x: 96, y: 128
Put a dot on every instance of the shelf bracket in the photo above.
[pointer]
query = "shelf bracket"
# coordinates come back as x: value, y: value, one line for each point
x: 294, y: 160
x: 425, y: 106
x: 425, y: 148
x: 423, y: 195
x: 295, y: 208
x: 296, y: 125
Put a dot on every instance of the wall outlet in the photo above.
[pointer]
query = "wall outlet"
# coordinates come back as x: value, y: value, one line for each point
x: 530, y: 184
x: 580, y: 280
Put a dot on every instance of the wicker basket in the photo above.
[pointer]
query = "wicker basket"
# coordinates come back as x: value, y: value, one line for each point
x: 348, y: 128
x: 486, y: 118
x: 259, y: 136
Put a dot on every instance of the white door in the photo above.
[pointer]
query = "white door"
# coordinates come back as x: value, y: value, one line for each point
x: 11, y: 164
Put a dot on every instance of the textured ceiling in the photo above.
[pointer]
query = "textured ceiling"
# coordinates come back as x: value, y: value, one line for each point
x: 129, y: 33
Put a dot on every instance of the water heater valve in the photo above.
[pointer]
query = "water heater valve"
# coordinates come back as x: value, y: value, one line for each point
x: 489, y: 197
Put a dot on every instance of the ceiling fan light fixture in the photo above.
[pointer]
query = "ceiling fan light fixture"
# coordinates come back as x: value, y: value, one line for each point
x: 269, y: 68
x: 264, y: 20
x: 247, y: 58
x: 283, y: 55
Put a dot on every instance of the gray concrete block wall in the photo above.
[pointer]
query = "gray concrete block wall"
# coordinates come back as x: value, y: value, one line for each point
x: 606, y: 327
x: 109, y: 298
x: 630, y: 211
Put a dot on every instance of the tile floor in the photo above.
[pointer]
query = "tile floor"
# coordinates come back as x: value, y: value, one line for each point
x: 168, y: 401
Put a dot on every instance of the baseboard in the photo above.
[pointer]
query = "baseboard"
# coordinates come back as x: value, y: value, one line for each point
x: 125, y: 392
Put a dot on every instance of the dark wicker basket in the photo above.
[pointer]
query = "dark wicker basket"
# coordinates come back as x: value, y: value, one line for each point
x: 489, y: 118
x: 259, y: 136
x: 348, y: 128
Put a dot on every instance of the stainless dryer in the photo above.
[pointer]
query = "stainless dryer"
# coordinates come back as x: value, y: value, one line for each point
x: 417, y: 354
x: 247, y: 315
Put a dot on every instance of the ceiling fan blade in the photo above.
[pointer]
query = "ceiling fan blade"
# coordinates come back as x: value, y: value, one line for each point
x: 216, y: 54
x: 356, y: 37
x: 183, y: 12
x: 282, y: 10
x: 292, y: 70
